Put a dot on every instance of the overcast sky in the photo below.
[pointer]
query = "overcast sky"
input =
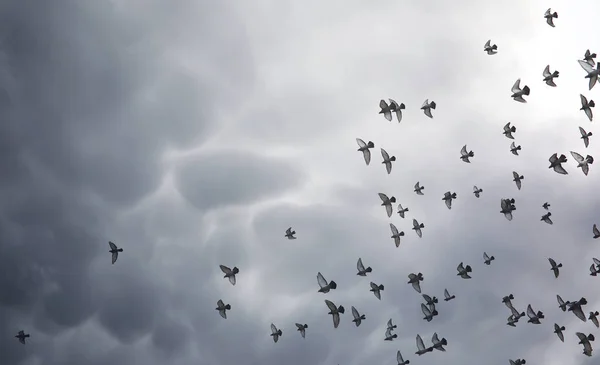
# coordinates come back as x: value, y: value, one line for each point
x: 194, y: 133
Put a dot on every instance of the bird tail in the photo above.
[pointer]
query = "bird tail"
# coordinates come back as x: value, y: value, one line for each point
x: 435, y: 300
x: 492, y: 258
x: 381, y: 287
x: 555, y: 74
x: 526, y: 90
x: 421, y: 225
x: 235, y: 270
x: 432, y: 105
x: 333, y: 284
x: 305, y: 326
x: 513, y: 129
x: 419, y: 275
x: 393, y: 158
x: 590, y: 134
x: 555, y: 15
x: 401, y: 106
x: 540, y: 315
x: 468, y: 268
x: 444, y: 342
x: 370, y: 144
x: 393, y: 199
x: 368, y: 269
x: 590, y: 159
x: 341, y: 309
x: 228, y: 307
x: 522, y: 314
x: 559, y: 265
x: 510, y: 296
x: 494, y: 47
x: 591, y: 337
x: 518, y: 148
x: 592, y: 104
x: 562, y: 328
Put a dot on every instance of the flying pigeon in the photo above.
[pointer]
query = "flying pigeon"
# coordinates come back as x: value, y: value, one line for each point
x: 325, y: 286
x: 477, y: 191
x: 594, y: 270
x: 358, y: 318
x: 419, y: 189
x: 549, y: 76
x: 447, y: 296
x: 376, y: 289
x: 361, y: 268
x: 387, y: 203
x: 448, y: 197
x: 576, y: 308
x: 533, y: 316
x: 387, y: 160
x: 585, y: 136
x: 397, y: 108
x: 302, y: 329
x: 421, y: 349
x: 511, y: 321
x: 464, y: 155
x: 230, y: 273
x: 549, y: 15
x: 517, y: 92
x: 389, y: 336
x: 554, y: 267
x: 491, y: 50
x: 596, y: 231
x: 427, y: 106
x: 546, y: 218
x: 517, y: 179
x: 589, y: 57
x: 22, y: 336
x: 584, y: 163
x: 437, y: 343
x: 517, y: 362
x: 276, y: 333
x: 222, y: 308
x: 401, y: 210
x: 432, y: 309
x: 546, y: 205
x: 335, y: 312
x: 559, y: 332
x: 515, y: 313
x: 417, y: 227
x: 515, y: 149
x: 585, y: 341
x: 415, y: 280
x: 400, y: 360
x: 463, y: 271
x: 390, y: 325
x: 592, y: 73
x: 386, y: 109
x: 587, y: 106
x: 429, y: 300
x: 115, y: 251
x: 509, y: 130
x: 506, y: 206
x: 487, y: 259
x: 561, y: 303
x: 290, y: 234
x: 594, y: 318
x: 364, y: 148
x: 507, y: 300
x: 556, y: 163
x: 396, y: 235
x: 426, y: 312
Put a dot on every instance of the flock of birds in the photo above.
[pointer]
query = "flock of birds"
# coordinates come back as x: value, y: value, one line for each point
x: 507, y: 206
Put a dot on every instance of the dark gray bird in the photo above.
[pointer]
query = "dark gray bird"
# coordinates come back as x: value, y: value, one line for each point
x: 448, y: 197
x: 387, y: 160
x: 427, y: 107
x: 594, y: 270
x: 415, y: 280
x: 115, y: 251
x: 447, y: 296
x: 477, y: 191
x: 534, y: 317
x: 517, y: 92
x: 546, y: 218
x: 577, y: 308
x: 376, y: 289
x: 390, y: 325
x: 559, y: 332
x: 358, y: 318
x: 554, y: 267
x: 594, y: 318
x: 507, y: 207
x: 22, y: 336
x: 592, y: 73
x: 556, y: 163
x: 463, y: 271
x: 417, y: 227
x: 437, y: 343
x: 386, y: 109
x: 585, y: 136
x: 490, y: 49
x: 302, y: 329
x: 275, y: 333
x: 517, y: 362
x: 290, y: 234
x: 426, y: 312
x: 549, y: 15
x: 511, y: 321
x: 230, y: 273
x: 487, y: 259
x: 550, y: 76
x: 389, y: 336
x: 464, y: 155
x: 335, y: 312
x: 324, y: 285
x: 582, y: 162
x: 361, y: 268
x: 397, y: 108
x: 400, y: 360
x: 546, y: 205
x: 387, y: 203
x: 365, y: 149
x: 508, y: 131
x: 515, y: 149
x: 419, y: 189
x: 517, y: 179
x: 421, y: 349
x: 507, y: 300
x: 585, y: 341
x: 589, y: 57
x: 561, y: 303
x: 596, y: 231
x: 429, y: 300
x: 587, y: 106
x: 396, y: 234
x: 401, y: 210
x: 222, y: 308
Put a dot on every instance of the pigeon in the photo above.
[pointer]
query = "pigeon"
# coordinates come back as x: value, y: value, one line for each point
x: 517, y: 92
x: 419, y: 189
x: 464, y: 155
x: 290, y: 234
x: 515, y: 313
x: 437, y: 343
x: 230, y: 273
x: 389, y: 336
x: 549, y: 15
x: 549, y: 76
x: 556, y: 163
x: 491, y: 50
x: 594, y: 318
x: 507, y: 300
x: 400, y: 360
x: 585, y: 136
x: 358, y: 318
x: 509, y: 130
x: 325, y: 286
x: 506, y: 207
x: 364, y: 148
x: 533, y: 316
x: 361, y: 268
x: 585, y: 341
x: 397, y: 108
x: 335, y: 312
x: 559, y: 332
x: 421, y: 349
x: 587, y: 106
x: 447, y: 296
x: 115, y: 251
x: 517, y: 179
x: 584, y: 163
x: 386, y: 109
x: 517, y: 362
x: 594, y: 270
x: 387, y: 203
x: 554, y: 267
x: 222, y: 308
x: 546, y: 205
x: 515, y: 149
x: 576, y: 308
x: 511, y: 321
x: 22, y: 336
x: 302, y: 329
x: 427, y: 106
x: 589, y: 57
x: 390, y: 325
x: 592, y: 73
x: 463, y: 271
x: 596, y: 231
x: 429, y: 299
x: 276, y: 333
x: 487, y: 259
x: 546, y: 218
x: 561, y: 303
x: 401, y: 210
x: 415, y: 280
x: 376, y: 289
x: 448, y: 197
x: 417, y: 227
x: 396, y: 235
x: 477, y: 191
x: 428, y: 314
x: 387, y: 160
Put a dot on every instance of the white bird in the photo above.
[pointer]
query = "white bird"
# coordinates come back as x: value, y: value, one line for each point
x: 517, y: 92
x: 427, y: 106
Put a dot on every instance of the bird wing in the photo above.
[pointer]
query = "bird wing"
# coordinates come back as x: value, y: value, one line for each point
x: 586, y: 66
x: 547, y: 71
x: 112, y: 245
x: 115, y: 256
x: 516, y: 88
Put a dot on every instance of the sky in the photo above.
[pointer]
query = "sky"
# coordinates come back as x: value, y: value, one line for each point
x: 194, y: 133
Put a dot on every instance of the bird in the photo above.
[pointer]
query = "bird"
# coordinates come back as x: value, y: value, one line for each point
x: 515, y: 149
x: 429, y: 300
x: 448, y: 197
x: 365, y: 149
x: 507, y: 300
x: 276, y: 333
x: 517, y: 362
x: 546, y: 205
x: 397, y: 108
x: 401, y: 210
x: 546, y: 218
x: 417, y: 227
x: 421, y: 349
x: 463, y: 271
x: 335, y: 312
x: 585, y: 341
x: 419, y: 189
x: 302, y: 329
x: 589, y: 57
x: 554, y: 267
x: 596, y: 231
x: 437, y: 343
x: 386, y: 109
x: 376, y: 289
x: 556, y: 163
x: 592, y: 73
x: 561, y: 303
x: 400, y: 360
x: 549, y: 15
x: 511, y: 321
x: 427, y: 312
x: 509, y: 130
x: 325, y: 286
x: 506, y: 206
x: 290, y: 234
x: 230, y: 273
x: 587, y: 106
x: 559, y: 332
x: 585, y: 136
x: 415, y: 280
x: 517, y: 179
x: 447, y: 296
x: 387, y: 203
x: 387, y: 160
x: 584, y: 163
x: 594, y: 270
x: 488, y: 259
x: 490, y: 49
x: 515, y: 313
x: 549, y: 76
x: 594, y: 318
x: 576, y: 308
x: 361, y: 268
x: 21, y: 335
x: 517, y: 92
x: 395, y: 234
x: 222, y: 308
x: 390, y: 325
x: 464, y: 155
x: 427, y: 107
x: 477, y: 191
x: 358, y: 318
x: 534, y: 317
x: 389, y: 336
x: 115, y: 251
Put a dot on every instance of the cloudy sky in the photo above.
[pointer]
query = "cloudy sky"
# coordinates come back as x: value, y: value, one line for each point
x: 193, y: 133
